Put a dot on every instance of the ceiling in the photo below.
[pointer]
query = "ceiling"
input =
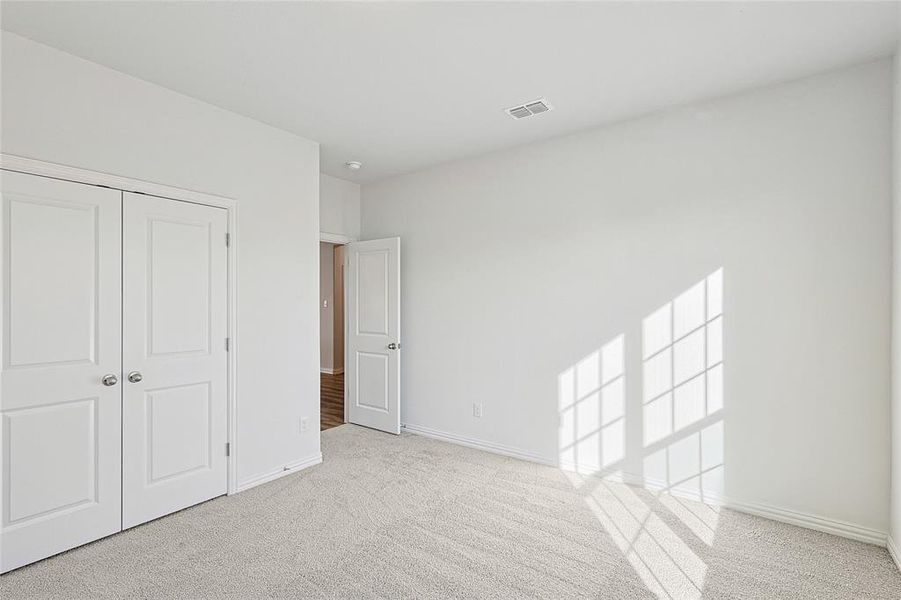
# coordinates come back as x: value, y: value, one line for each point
x: 400, y: 86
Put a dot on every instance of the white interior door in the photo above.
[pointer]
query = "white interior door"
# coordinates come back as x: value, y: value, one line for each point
x: 60, y: 436
x: 373, y: 334
x: 174, y: 363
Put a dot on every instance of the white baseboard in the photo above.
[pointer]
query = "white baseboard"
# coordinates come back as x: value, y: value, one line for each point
x: 337, y: 371
x: 478, y: 444
x: 655, y: 485
x: 893, y: 550
x: 791, y: 517
x: 809, y: 521
x: 782, y: 515
x: 273, y: 475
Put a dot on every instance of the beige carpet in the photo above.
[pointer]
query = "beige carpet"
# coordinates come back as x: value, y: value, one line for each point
x: 410, y: 517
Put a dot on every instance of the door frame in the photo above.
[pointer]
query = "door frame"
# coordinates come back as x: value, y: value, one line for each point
x: 340, y: 238
x: 30, y: 166
x: 335, y: 238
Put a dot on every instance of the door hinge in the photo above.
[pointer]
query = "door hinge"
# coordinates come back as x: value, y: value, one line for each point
x: 227, y: 344
x: 228, y: 240
x: 228, y: 448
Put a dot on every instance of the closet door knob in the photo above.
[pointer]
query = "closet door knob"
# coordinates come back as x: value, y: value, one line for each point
x: 135, y: 377
x: 110, y: 380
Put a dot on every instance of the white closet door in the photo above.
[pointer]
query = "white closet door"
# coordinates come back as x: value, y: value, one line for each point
x: 60, y: 436
x: 174, y: 364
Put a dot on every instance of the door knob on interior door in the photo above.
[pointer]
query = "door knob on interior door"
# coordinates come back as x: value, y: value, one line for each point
x: 135, y: 376
x: 110, y: 380
x: 393, y: 346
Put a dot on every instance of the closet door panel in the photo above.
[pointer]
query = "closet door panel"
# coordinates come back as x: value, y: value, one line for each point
x: 175, y: 325
x: 60, y: 437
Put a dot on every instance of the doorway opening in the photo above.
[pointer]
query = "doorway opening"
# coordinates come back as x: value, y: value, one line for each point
x: 331, y: 335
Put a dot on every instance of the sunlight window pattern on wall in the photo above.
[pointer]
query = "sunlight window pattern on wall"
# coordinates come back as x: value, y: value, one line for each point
x: 682, y: 392
x: 592, y: 408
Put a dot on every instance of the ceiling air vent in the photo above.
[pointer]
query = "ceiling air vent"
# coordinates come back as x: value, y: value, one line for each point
x: 535, y: 107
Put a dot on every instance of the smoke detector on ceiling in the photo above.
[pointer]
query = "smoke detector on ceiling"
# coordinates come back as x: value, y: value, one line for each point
x: 353, y: 165
x: 535, y: 107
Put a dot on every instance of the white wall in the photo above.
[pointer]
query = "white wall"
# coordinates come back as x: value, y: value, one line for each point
x: 520, y: 265
x: 61, y: 109
x: 339, y: 206
x: 326, y: 306
x: 896, y: 316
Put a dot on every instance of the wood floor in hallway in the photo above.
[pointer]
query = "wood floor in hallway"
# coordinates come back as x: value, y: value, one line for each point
x: 331, y: 400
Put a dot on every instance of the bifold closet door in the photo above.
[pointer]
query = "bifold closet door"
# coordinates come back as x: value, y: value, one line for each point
x: 59, y: 386
x: 174, y: 363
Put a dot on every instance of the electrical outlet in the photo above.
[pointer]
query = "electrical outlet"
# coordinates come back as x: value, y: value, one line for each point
x: 303, y: 424
x: 477, y: 409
